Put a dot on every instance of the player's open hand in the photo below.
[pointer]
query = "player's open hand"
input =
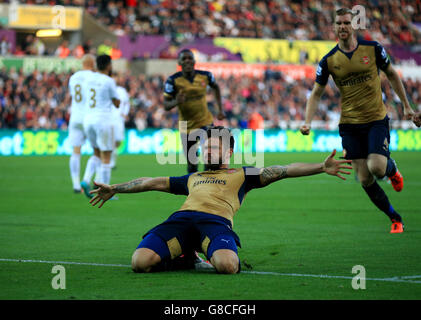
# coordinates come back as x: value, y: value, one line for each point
x: 103, y: 192
x: 305, y: 129
x: 336, y: 167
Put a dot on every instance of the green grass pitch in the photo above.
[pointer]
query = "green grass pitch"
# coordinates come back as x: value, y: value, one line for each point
x: 293, y: 233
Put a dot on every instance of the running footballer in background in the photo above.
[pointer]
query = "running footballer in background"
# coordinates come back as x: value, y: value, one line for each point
x: 186, y: 90
x: 364, y: 125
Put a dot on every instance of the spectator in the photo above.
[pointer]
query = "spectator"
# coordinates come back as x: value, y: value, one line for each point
x: 104, y: 48
x: 115, y: 52
x: 5, y: 46
x: 63, y: 50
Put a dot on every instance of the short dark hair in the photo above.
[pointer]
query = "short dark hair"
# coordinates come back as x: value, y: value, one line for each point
x: 344, y: 11
x: 103, y: 61
x: 220, y: 131
x: 184, y: 51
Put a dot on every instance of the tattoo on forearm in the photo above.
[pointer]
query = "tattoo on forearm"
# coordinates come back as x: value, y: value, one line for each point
x: 131, y: 186
x: 273, y: 173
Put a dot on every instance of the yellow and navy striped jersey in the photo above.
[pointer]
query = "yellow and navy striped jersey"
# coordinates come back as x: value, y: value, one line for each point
x: 195, y: 109
x: 219, y: 192
x: 356, y: 74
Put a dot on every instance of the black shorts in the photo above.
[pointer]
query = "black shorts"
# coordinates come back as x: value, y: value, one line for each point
x: 360, y: 140
x: 187, y: 231
x: 198, y: 136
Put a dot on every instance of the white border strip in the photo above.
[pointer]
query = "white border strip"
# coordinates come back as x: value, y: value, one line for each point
x: 320, y: 276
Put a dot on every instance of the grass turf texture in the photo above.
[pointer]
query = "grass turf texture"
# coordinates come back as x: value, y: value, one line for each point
x: 311, y: 225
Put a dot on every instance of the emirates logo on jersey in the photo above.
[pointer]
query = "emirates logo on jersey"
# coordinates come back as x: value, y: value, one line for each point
x: 365, y: 60
x: 203, y: 83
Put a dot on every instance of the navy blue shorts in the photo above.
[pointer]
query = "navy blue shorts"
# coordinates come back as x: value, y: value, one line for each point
x: 360, y: 140
x: 187, y: 231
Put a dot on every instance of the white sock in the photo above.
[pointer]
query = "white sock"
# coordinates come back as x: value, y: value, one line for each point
x: 113, y: 158
x: 74, y: 165
x: 105, y: 173
x: 91, y: 167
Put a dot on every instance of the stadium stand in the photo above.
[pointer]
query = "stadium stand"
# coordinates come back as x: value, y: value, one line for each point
x: 41, y: 100
x: 388, y: 21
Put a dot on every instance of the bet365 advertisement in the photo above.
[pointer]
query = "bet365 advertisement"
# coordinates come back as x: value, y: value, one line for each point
x: 155, y: 141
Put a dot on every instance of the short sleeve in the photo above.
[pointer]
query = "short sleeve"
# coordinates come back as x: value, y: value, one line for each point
x: 252, y: 178
x: 178, y: 185
x: 211, y: 79
x: 322, y: 72
x: 169, y: 87
x: 382, y: 59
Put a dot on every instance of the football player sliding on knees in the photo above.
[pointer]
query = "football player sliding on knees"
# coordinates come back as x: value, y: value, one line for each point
x: 204, y: 223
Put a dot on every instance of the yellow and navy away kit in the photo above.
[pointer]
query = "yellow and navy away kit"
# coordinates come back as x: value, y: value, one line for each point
x: 356, y: 74
x: 219, y: 192
x: 195, y: 109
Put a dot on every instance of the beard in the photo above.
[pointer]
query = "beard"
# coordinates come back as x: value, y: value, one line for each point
x: 212, y: 166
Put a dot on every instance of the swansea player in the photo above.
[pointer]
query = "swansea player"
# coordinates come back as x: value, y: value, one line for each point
x: 101, y: 91
x: 364, y: 125
x: 120, y: 115
x: 204, y: 222
x: 77, y: 138
x: 187, y: 91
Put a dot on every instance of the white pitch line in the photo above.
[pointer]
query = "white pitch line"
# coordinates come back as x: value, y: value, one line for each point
x: 320, y: 276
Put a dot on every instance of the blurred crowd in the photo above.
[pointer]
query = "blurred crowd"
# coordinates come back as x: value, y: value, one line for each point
x: 182, y: 20
x: 41, y: 101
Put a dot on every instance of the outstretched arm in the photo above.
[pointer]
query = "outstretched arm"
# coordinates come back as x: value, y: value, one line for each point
x: 330, y: 166
x: 398, y: 87
x: 105, y: 192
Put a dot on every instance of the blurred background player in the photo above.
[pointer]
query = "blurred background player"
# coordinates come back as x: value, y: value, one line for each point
x: 205, y: 220
x: 77, y: 137
x: 101, y: 91
x: 364, y: 124
x: 120, y: 115
x: 187, y: 91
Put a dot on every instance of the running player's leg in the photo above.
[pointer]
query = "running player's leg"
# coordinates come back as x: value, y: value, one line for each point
x: 380, y: 163
x: 358, y: 147
x: 374, y: 191
x: 106, y: 143
x: 114, y: 155
x: 118, y: 137
x: 93, y: 161
x: 74, y: 164
x: 190, y: 148
x: 76, y: 138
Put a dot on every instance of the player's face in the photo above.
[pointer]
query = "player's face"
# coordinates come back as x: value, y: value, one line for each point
x: 214, y: 155
x: 343, y: 27
x: 186, y: 61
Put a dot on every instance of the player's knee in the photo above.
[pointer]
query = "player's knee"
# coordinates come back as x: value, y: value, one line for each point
x: 377, y: 170
x: 143, y: 260
x: 225, y: 263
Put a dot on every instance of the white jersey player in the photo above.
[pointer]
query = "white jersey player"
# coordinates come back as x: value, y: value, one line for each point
x: 98, y: 123
x: 77, y: 83
x: 120, y: 115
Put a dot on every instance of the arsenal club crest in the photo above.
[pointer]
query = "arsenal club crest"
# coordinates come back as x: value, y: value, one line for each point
x: 365, y: 60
